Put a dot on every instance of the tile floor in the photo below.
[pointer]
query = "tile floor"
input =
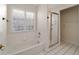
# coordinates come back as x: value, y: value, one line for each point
x: 63, y: 49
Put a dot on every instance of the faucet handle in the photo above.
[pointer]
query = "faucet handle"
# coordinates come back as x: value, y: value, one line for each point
x: 1, y: 46
x: 39, y: 33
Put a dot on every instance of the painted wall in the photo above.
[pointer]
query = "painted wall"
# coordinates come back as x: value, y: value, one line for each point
x: 19, y: 40
x: 3, y: 27
x: 70, y: 25
x: 42, y: 25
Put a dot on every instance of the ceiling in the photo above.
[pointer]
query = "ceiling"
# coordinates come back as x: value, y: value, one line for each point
x: 53, y: 6
x: 60, y: 6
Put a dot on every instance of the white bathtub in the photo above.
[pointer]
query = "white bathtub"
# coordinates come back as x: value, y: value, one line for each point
x: 33, y: 50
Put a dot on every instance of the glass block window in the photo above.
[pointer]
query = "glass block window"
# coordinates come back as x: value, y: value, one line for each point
x: 22, y: 20
x: 29, y: 20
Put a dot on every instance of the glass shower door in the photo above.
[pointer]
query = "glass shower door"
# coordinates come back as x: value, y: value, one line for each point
x: 54, y: 29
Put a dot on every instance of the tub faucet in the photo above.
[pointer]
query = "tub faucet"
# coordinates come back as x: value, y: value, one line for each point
x: 1, y: 46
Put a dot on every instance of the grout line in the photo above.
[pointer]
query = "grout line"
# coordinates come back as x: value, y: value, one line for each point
x: 53, y: 49
x: 67, y: 49
x: 75, y: 50
x: 61, y: 49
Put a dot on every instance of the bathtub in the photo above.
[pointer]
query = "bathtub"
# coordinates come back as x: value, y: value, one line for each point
x: 32, y: 50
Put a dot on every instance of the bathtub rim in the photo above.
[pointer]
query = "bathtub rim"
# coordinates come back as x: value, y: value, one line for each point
x: 26, y: 49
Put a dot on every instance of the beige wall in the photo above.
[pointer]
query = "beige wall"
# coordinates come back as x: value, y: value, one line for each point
x: 70, y: 25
